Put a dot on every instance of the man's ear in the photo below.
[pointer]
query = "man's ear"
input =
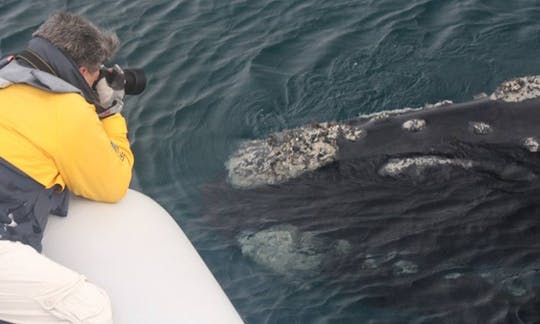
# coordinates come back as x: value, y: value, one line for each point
x: 87, y: 75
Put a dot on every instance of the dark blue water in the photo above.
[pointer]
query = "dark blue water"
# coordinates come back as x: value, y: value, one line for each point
x: 222, y: 72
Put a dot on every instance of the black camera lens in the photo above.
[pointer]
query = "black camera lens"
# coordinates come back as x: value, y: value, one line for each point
x: 135, y: 81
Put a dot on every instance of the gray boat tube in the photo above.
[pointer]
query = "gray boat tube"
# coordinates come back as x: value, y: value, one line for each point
x: 136, y: 252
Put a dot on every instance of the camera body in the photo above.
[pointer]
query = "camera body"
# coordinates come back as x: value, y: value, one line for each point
x: 133, y: 81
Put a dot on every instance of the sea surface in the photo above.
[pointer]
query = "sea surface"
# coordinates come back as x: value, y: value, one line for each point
x: 337, y: 246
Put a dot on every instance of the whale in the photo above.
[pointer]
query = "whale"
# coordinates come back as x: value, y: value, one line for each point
x: 508, y: 115
x: 435, y: 206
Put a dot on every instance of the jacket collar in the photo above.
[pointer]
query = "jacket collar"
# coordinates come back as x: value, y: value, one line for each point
x: 64, y: 67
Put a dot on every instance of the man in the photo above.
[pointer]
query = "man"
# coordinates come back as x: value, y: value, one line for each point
x: 57, y: 133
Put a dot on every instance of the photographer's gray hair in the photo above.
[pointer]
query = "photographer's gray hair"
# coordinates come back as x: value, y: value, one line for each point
x: 85, y: 43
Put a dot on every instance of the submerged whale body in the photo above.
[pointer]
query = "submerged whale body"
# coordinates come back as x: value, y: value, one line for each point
x: 437, y: 207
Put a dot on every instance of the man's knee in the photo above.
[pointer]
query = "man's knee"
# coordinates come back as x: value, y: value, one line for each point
x: 86, y: 304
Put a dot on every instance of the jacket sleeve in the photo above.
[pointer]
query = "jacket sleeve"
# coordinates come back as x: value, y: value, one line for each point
x: 94, y: 156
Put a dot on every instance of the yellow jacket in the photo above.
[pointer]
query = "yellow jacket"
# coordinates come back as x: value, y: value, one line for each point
x: 57, y: 139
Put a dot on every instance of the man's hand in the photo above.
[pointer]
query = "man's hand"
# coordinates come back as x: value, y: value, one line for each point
x: 110, y: 91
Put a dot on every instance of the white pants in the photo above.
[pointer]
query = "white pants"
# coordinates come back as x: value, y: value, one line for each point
x: 34, y: 289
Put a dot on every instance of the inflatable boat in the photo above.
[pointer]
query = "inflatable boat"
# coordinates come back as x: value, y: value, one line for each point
x: 140, y: 256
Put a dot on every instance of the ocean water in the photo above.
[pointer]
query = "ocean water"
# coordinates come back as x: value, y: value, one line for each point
x: 336, y: 246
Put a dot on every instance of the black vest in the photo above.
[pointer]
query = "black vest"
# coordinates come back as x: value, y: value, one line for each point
x: 25, y: 206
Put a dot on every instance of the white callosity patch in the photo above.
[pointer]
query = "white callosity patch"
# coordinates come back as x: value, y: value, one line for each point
x: 518, y: 89
x: 375, y: 261
x: 414, y: 125
x: 399, y: 266
x: 515, y: 287
x: 516, y: 283
x: 288, y: 154
x: 531, y: 144
x: 404, y: 267
x: 284, y: 248
x: 480, y: 128
x: 399, y: 166
x: 453, y: 276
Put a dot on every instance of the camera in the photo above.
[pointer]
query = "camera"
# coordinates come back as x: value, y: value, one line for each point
x: 133, y: 80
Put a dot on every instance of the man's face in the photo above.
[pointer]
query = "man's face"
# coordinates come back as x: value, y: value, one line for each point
x: 90, y: 77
